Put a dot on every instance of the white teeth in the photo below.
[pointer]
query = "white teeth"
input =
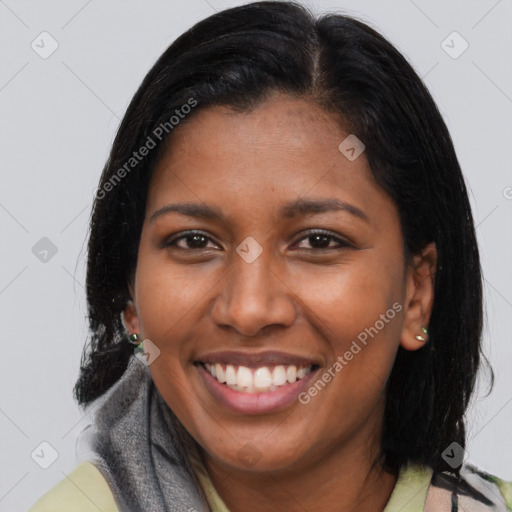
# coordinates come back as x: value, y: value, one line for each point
x: 291, y: 374
x: 230, y: 375
x: 244, y: 377
x: 221, y: 375
x: 302, y: 372
x: 279, y: 376
x: 262, y: 378
x: 254, y: 380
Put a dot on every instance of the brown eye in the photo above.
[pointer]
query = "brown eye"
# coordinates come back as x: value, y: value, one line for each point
x: 197, y: 240
x: 192, y: 240
x: 324, y: 239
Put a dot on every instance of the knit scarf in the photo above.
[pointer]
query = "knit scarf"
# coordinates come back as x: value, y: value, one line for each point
x: 140, y: 447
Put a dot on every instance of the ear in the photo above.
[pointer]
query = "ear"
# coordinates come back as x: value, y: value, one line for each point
x: 129, y: 315
x: 419, y: 297
x: 131, y: 319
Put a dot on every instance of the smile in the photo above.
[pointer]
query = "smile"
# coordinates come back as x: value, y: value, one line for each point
x: 256, y: 380
x: 256, y: 383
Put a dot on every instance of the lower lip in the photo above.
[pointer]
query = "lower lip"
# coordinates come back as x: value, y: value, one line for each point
x: 255, y: 403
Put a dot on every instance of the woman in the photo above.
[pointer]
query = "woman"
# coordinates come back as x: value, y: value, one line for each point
x: 283, y: 232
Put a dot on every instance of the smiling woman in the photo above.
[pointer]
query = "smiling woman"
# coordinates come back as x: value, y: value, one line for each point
x: 296, y: 263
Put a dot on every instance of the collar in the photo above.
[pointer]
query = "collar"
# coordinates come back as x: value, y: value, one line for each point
x: 409, y: 493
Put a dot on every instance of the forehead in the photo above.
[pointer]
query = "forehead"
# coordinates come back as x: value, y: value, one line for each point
x: 281, y: 128
x: 283, y: 149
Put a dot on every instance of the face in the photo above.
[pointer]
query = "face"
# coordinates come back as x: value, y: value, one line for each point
x: 284, y: 277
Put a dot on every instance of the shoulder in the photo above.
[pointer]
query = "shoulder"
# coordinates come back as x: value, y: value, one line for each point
x: 476, y: 491
x: 84, y: 489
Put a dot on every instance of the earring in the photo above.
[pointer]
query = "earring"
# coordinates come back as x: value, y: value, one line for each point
x: 134, y: 339
x: 421, y: 338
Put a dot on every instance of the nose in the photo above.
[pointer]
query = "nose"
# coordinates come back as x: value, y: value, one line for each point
x: 254, y: 296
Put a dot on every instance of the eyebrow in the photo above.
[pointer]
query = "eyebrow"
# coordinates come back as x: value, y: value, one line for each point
x: 300, y: 207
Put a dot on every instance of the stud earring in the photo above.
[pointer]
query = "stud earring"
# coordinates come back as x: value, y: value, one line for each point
x: 422, y: 338
x: 134, y: 339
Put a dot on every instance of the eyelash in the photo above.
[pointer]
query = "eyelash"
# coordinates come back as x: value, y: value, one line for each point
x: 342, y: 244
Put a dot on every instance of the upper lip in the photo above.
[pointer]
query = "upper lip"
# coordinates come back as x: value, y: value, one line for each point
x: 256, y: 359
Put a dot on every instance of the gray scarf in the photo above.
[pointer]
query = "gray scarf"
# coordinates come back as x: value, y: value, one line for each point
x: 140, y: 447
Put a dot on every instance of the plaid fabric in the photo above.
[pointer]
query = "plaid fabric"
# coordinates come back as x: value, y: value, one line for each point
x: 475, y: 491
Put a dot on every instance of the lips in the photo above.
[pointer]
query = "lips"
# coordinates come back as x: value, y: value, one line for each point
x: 253, y: 383
x: 257, y: 359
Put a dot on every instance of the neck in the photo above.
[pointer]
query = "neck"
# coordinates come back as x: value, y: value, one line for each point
x: 343, y: 481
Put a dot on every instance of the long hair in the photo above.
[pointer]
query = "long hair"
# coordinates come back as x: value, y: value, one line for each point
x: 238, y: 57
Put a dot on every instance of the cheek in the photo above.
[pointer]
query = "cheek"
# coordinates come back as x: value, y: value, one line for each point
x: 164, y: 300
x: 346, y: 298
x: 357, y: 307
x: 165, y: 295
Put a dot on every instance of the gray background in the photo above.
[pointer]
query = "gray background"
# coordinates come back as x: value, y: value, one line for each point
x: 58, y: 117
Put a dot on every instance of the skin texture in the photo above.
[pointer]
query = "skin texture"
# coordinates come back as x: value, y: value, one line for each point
x: 297, y: 297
